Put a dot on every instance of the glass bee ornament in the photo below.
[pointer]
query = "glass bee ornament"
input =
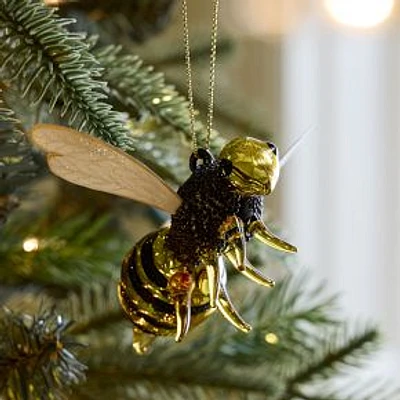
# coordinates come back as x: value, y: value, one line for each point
x: 174, y: 278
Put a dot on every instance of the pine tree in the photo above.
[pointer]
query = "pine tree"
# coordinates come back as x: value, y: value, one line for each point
x: 62, y: 332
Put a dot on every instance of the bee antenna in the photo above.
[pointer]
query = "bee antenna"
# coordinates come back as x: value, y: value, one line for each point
x: 290, y: 151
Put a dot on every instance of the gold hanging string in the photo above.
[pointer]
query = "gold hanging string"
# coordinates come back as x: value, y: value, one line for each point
x: 189, y: 75
x: 213, y: 57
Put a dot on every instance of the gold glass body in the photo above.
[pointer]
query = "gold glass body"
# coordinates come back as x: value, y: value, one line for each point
x: 194, y: 292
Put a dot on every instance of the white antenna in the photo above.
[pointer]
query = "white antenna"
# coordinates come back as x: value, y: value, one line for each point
x: 289, y: 152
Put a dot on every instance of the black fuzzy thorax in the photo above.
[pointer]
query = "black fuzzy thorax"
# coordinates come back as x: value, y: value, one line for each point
x: 208, y: 198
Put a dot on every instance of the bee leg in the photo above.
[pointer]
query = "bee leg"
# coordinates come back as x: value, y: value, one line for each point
x: 236, y: 254
x: 236, y: 237
x: 141, y: 341
x: 225, y: 305
x: 183, y: 313
x: 233, y: 253
x: 213, y: 283
x: 258, y: 229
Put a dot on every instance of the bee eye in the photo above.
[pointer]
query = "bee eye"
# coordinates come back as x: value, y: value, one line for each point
x: 226, y: 166
x: 273, y: 148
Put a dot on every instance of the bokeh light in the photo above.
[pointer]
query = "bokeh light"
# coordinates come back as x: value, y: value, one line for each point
x: 271, y: 338
x: 359, y: 13
x: 30, y: 244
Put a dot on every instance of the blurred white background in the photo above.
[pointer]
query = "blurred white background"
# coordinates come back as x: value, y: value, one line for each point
x: 335, y: 63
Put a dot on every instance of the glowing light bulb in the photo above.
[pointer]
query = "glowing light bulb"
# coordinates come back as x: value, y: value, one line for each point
x: 271, y: 338
x: 30, y: 245
x: 359, y: 13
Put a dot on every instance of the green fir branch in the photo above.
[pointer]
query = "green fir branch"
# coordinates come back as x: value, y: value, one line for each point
x: 378, y: 391
x: 140, y: 90
x: 93, y: 308
x: 338, y: 349
x: 70, y: 252
x: 36, y: 360
x: 139, y: 87
x: 121, y: 20
x: 217, y: 356
x: 330, y: 353
x: 44, y: 60
x: 17, y: 164
x: 164, y: 387
x: 292, y: 315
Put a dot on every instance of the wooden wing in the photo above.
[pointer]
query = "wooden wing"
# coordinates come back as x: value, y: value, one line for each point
x: 86, y: 161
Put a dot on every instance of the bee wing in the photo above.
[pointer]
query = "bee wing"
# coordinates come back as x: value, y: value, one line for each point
x: 86, y: 161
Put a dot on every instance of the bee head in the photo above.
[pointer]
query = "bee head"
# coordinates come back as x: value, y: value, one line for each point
x: 255, y: 165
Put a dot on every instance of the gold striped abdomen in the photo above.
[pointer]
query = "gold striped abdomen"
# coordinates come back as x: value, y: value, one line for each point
x: 144, y: 291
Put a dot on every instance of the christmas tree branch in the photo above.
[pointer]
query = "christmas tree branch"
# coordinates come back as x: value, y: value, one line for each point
x: 139, y: 386
x: 275, y: 360
x: 66, y: 77
x: 285, y: 323
x: 93, y: 308
x: 162, y: 127
x: 35, y: 358
x: 353, y: 347
x: 381, y: 393
x: 43, y: 59
x: 124, y: 21
x: 64, y: 252
x: 17, y: 165
x: 139, y: 87
x: 332, y: 351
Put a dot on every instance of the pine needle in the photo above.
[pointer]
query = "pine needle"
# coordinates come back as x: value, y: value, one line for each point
x: 93, y: 308
x: 36, y: 361
x: 17, y: 165
x: 38, y: 49
x: 69, y: 253
x: 142, y: 91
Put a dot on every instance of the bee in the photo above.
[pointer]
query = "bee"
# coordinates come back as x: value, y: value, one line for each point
x: 174, y: 278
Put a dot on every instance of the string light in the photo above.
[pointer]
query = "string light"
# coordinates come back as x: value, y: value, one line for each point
x: 359, y: 13
x: 271, y: 338
x: 31, y: 244
x: 167, y: 97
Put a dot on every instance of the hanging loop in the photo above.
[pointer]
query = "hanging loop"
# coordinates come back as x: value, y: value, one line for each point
x: 201, y: 157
